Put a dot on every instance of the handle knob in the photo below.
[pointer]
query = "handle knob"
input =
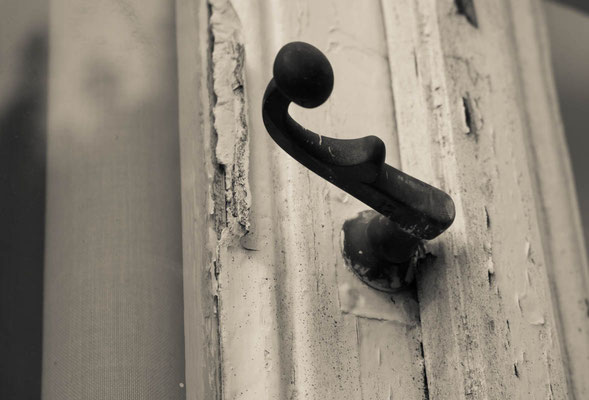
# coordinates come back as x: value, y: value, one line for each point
x: 414, y: 210
x: 303, y: 74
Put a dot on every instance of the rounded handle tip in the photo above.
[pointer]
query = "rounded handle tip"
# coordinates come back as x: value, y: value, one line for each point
x: 303, y: 74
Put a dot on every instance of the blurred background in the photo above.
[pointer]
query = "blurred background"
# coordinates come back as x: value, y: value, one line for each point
x: 23, y: 102
x: 97, y: 207
x: 568, y: 28
x: 23, y: 127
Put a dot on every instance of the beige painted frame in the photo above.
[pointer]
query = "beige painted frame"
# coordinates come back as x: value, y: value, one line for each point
x: 270, y: 309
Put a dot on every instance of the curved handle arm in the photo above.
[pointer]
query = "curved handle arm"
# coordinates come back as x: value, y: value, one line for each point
x: 303, y: 75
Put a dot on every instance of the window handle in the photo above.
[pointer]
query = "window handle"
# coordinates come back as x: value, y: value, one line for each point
x: 408, y: 210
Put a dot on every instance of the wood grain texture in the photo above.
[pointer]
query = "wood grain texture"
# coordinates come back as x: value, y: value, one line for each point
x: 196, y: 171
x: 486, y: 305
x: 556, y: 201
x: 457, y: 106
x: 294, y: 322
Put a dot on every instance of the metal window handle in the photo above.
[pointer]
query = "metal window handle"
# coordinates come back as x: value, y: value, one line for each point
x: 410, y: 210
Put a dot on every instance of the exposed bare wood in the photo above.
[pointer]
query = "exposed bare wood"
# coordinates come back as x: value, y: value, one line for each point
x: 487, y: 319
x: 161, y: 177
x: 455, y: 102
x: 294, y: 322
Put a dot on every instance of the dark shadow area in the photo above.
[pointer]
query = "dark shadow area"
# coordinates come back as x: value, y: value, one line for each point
x: 22, y: 227
x: 569, y: 29
x: 581, y: 5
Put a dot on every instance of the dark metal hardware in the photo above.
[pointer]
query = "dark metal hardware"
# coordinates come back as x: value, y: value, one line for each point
x: 382, y: 247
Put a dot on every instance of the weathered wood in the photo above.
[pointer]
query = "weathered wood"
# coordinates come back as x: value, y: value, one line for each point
x: 455, y: 99
x: 556, y: 202
x: 200, y: 319
x: 462, y: 94
x: 486, y: 309
x: 293, y: 321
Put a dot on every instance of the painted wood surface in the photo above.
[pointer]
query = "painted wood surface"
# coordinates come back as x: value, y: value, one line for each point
x: 486, y: 305
x: 293, y: 321
x: 464, y: 99
x: 558, y: 211
x: 465, y: 102
x: 196, y: 171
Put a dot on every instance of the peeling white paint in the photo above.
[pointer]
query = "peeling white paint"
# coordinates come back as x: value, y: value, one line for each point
x: 490, y: 266
x: 230, y: 114
x: 289, y: 308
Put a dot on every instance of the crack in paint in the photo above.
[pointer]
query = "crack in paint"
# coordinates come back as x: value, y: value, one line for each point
x: 229, y: 113
x: 230, y: 143
x: 466, y: 8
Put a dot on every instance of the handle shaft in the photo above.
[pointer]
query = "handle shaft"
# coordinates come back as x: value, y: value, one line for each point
x: 356, y: 166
